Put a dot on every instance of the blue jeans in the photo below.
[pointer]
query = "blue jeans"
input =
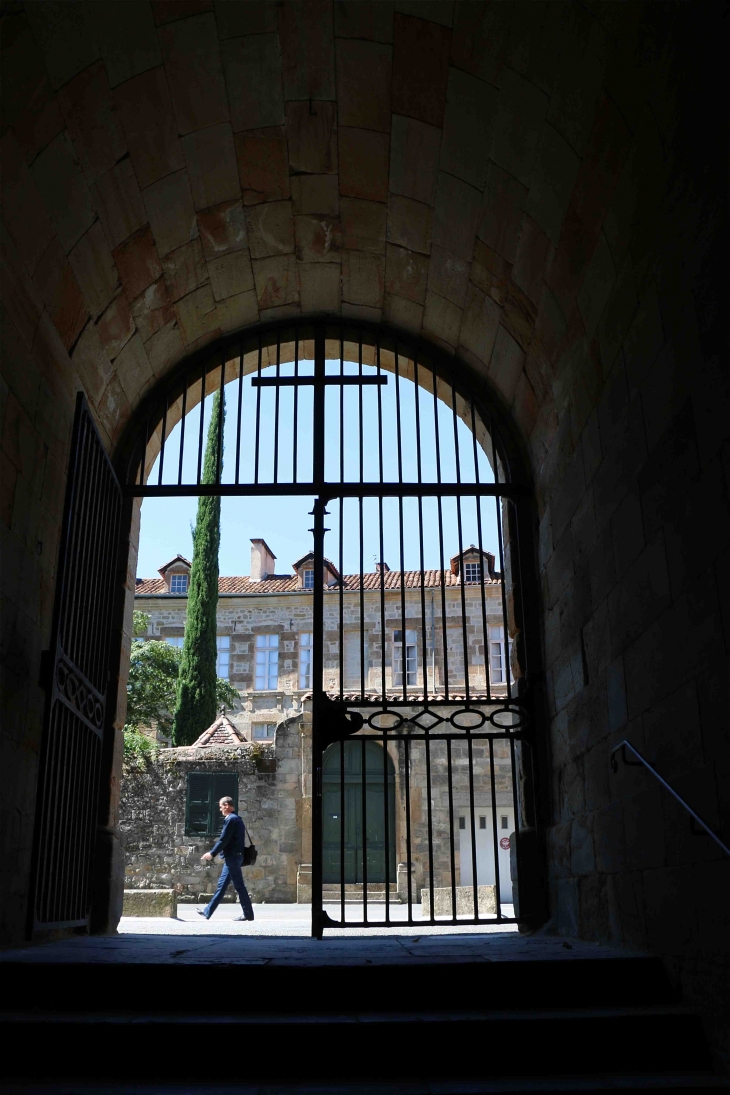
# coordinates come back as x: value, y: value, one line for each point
x: 231, y: 873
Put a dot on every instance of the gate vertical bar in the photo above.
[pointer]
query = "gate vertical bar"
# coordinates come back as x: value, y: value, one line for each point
x: 318, y: 696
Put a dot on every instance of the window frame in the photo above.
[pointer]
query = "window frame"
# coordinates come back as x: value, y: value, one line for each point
x: 410, y: 644
x: 306, y: 648
x: 184, y: 577
x: 267, y: 737
x: 500, y: 652
x: 219, y: 784
x: 220, y: 650
x: 268, y: 649
x: 474, y: 566
x: 307, y: 581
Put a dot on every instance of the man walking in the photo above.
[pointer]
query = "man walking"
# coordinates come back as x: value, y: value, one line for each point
x: 230, y: 846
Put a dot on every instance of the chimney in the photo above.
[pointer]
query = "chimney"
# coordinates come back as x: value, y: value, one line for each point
x: 262, y: 561
x: 382, y: 568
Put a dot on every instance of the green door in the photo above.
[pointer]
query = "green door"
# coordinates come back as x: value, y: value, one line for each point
x: 361, y: 838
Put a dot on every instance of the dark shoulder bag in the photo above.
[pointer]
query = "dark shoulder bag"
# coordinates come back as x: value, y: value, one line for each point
x: 249, y: 852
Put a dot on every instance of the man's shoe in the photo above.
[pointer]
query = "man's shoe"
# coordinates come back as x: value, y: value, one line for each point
x: 201, y: 912
x: 242, y: 918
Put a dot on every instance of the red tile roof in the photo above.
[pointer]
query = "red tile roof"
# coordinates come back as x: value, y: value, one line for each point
x: 289, y: 583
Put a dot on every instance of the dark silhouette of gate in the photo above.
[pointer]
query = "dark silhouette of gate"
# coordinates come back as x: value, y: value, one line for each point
x: 78, y: 732
x: 389, y: 439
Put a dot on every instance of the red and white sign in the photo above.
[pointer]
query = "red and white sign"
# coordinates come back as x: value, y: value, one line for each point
x: 504, y: 843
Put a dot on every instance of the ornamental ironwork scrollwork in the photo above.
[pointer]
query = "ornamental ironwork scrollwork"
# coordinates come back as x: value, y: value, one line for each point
x: 79, y: 695
x: 510, y: 718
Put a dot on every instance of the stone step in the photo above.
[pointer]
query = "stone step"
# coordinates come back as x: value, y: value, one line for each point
x: 327, y: 1047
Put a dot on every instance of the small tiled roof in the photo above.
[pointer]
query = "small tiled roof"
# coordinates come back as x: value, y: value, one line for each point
x: 222, y: 732
x: 178, y: 559
x: 289, y: 583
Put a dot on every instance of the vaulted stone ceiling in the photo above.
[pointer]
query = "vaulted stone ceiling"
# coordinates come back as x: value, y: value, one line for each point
x: 179, y: 169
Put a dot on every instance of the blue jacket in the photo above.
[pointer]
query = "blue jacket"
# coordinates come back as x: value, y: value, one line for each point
x: 231, y: 840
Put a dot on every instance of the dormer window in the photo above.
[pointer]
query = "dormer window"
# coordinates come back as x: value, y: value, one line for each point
x: 308, y: 579
x: 178, y: 583
x: 472, y: 572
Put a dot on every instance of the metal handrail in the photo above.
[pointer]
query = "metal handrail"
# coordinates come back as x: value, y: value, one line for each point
x: 694, y: 817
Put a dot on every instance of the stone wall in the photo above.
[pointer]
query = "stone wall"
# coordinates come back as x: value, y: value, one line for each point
x: 159, y: 853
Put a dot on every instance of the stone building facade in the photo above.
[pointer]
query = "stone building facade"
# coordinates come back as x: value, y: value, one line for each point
x: 265, y: 647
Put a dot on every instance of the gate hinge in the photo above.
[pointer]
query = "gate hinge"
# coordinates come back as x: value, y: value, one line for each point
x: 45, y: 670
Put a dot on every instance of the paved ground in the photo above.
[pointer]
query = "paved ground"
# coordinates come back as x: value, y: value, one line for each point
x: 280, y: 935
x: 295, y: 920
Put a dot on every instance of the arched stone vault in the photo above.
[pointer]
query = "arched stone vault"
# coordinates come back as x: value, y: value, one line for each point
x: 533, y: 188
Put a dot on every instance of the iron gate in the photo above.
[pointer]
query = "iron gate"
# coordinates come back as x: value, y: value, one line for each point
x: 75, y: 672
x: 426, y: 662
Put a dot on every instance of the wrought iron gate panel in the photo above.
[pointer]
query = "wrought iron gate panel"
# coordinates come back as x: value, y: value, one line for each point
x: 76, y: 676
x: 393, y: 449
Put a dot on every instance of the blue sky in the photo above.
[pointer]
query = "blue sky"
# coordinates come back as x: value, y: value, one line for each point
x: 284, y: 521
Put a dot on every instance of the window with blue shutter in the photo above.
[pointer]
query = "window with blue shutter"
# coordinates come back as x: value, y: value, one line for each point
x: 204, y: 791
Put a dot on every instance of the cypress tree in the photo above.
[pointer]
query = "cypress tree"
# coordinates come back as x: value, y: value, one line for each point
x: 195, y: 706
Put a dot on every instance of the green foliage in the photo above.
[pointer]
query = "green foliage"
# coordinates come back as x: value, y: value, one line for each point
x: 138, y: 750
x: 154, y: 667
x: 195, y: 707
x: 153, y: 672
x: 140, y: 623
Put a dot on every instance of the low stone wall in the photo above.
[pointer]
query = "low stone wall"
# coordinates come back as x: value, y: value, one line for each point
x: 150, y: 903
x: 443, y: 904
x: 160, y: 854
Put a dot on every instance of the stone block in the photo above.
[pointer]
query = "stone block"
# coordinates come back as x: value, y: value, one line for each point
x: 231, y: 274
x: 145, y: 111
x: 414, y: 159
x: 501, y: 212
x: 306, y: 35
x: 237, y: 312
x: 171, y: 213
x: 270, y: 229
x: 448, y: 275
x: 443, y: 901
x: 66, y: 38
x: 119, y: 203
x: 30, y: 105
x: 312, y: 136
x: 420, y: 69
x: 185, y: 269
x: 456, y: 216
x: 252, y: 66
x: 133, y: 369
x: 91, y: 120
x: 116, y: 326
x: 196, y: 314
x: 317, y: 238
x: 409, y: 223
x: 262, y: 165
x: 470, y: 112
x: 406, y: 274
x: 127, y: 39
x: 64, y: 191
x: 518, y: 125
x: 191, y: 55
x: 363, y: 84
x: 210, y: 155
x: 150, y: 903
x: 319, y: 287
x: 403, y: 313
x: 480, y: 324
x: 57, y: 284
x: 363, y: 163
x: 222, y: 229
x: 276, y: 281
x: 442, y: 320
x: 137, y: 262
x: 315, y: 194
x: 363, y: 277
x: 360, y: 19
x: 95, y: 270
x: 363, y: 225
x: 153, y: 309
x: 554, y: 176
